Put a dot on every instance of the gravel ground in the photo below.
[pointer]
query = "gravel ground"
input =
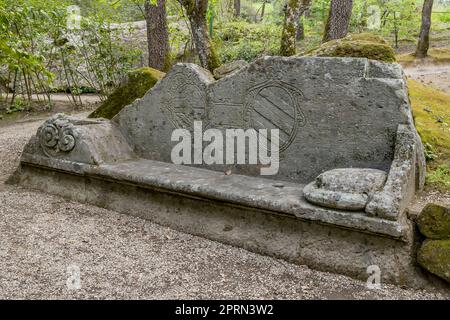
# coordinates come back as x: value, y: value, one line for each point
x: 122, y: 257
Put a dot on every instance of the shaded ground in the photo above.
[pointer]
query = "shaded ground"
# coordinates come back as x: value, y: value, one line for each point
x: 61, y: 103
x: 125, y: 257
x: 435, y: 76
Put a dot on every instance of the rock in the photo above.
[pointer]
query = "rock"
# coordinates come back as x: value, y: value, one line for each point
x: 321, y: 114
x: 346, y: 189
x: 330, y: 112
x: 229, y: 68
x: 364, y: 45
x: 137, y: 83
x: 434, y: 222
x: 434, y: 255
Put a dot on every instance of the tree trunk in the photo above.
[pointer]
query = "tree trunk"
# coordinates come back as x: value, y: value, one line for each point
x: 237, y: 8
x: 292, y: 12
x: 300, y: 35
x: 263, y: 9
x: 157, y: 35
x: 424, y: 38
x: 338, y: 20
x: 304, y: 7
x: 196, y: 11
x: 395, y: 31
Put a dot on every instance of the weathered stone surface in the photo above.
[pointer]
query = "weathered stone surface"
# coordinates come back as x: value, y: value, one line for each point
x: 229, y: 68
x: 331, y: 112
x: 434, y: 255
x: 434, y: 222
x: 133, y: 87
x: 346, y: 189
x: 79, y: 141
x: 296, y: 238
x: 408, y: 165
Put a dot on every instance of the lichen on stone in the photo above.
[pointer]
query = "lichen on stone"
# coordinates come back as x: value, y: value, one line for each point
x: 434, y: 256
x: 434, y: 222
x: 135, y: 86
x: 363, y: 45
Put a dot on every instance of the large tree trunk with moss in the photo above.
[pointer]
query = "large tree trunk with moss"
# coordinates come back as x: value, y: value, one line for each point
x: 196, y: 11
x: 292, y: 12
x: 237, y: 8
x: 424, y: 37
x: 157, y: 35
x: 338, y: 20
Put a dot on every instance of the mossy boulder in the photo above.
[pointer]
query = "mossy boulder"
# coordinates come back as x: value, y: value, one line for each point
x: 434, y: 256
x: 135, y: 86
x: 362, y: 45
x: 434, y: 222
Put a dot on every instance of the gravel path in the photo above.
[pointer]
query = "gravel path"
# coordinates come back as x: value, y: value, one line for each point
x: 119, y: 256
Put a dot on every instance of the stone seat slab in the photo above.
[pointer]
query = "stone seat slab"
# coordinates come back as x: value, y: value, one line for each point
x: 279, y: 197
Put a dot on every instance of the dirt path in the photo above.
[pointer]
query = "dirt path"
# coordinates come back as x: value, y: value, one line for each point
x: 437, y: 76
x: 62, y: 104
x: 62, y: 97
x: 119, y: 256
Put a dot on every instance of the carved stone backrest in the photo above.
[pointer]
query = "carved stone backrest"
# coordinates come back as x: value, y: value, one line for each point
x: 330, y: 112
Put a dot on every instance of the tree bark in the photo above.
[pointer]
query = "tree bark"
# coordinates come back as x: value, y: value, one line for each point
x: 196, y: 11
x: 424, y: 37
x: 263, y: 9
x: 338, y: 20
x: 157, y: 35
x: 300, y: 35
x: 292, y: 12
x: 237, y: 8
x: 304, y: 7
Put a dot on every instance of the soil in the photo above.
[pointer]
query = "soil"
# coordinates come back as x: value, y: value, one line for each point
x: 436, y: 76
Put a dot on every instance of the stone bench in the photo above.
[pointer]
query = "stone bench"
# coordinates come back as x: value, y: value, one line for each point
x: 332, y: 113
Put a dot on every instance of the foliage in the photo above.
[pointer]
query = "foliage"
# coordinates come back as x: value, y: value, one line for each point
x: 242, y: 40
x: 37, y: 42
x: 439, y: 177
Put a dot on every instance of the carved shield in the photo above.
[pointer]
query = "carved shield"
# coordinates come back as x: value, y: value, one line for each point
x: 275, y: 105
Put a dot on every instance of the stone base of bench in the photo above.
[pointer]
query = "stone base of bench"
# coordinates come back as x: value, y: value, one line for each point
x: 260, y: 215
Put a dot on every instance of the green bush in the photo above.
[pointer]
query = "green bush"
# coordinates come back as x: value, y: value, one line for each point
x: 247, y: 41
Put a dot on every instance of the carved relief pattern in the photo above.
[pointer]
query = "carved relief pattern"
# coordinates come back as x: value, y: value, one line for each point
x: 275, y: 104
x: 272, y: 104
x: 185, y: 102
x: 57, y: 135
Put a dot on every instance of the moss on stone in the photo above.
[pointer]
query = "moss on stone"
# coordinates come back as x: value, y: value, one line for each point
x: 434, y: 222
x: 434, y: 256
x: 136, y: 85
x: 431, y: 109
x: 363, y: 45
